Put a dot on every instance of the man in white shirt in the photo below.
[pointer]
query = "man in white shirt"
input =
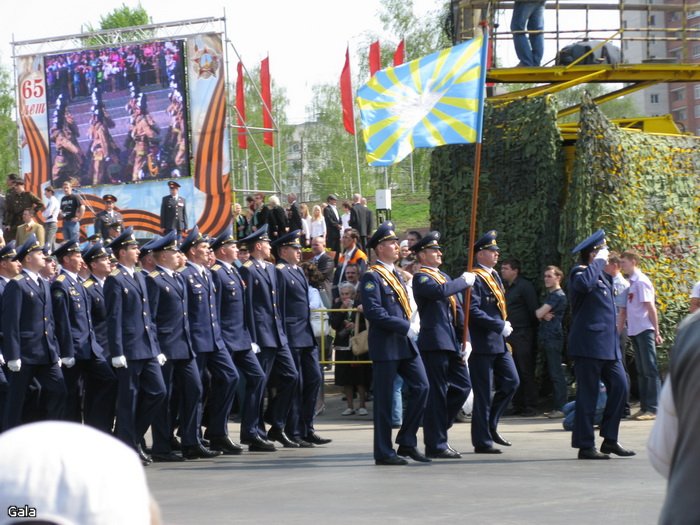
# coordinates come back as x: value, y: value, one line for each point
x: 50, y: 215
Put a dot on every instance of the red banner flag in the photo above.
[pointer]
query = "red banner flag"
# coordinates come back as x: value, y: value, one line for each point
x: 400, y: 54
x: 240, y: 109
x: 346, y: 95
x: 375, y: 62
x: 267, y: 101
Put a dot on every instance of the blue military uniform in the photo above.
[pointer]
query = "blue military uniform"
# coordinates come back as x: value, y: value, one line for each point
x: 28, y: 335
x: 95, y: 289
x: 490, y: 363
x: 294, y: 300
x: 6, y: 252
x: 131, y: 334
x: 91, y: 378
x: 267, y: 331
x: 167, y: 297
x: 386, y: 307
x: 594, y: 347
x: 231, y: 309
x: 212, y: 354
x: 439, y: 342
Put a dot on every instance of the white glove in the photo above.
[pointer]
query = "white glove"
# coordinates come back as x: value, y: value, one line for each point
x: 255, y: 347
x: 466, y: 349
x: 603, y: 253
x: 14, y: 365
x: 68, y: 361
x: 161, y: 359
x: 2, y: 360
x: 412, y: 334
x: 469, y: 277
x: 119, y: 362
x: 507, y: 329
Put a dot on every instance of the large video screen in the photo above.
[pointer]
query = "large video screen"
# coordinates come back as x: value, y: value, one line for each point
x: 118, y: 114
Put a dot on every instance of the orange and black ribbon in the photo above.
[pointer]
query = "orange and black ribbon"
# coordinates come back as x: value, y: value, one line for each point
x: 495, y: 288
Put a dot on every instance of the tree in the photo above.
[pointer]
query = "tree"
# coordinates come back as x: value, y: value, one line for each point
x: 120, y: 17
x: 8, y: 126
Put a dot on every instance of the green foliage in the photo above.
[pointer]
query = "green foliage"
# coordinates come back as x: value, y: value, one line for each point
x: 411, y: 212
x: 8, y: 126
x: 644, y: 190
x: 118, y: 18
x: 519, y: 187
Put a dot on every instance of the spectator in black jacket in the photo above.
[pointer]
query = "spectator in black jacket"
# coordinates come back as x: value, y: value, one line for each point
x: 276, y: 218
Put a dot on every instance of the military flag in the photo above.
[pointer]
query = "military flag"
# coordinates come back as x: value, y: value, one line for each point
x: 346, y: 95
x: 432, y: 101
x: 375, y: 62
x: 267, y: 101
x: 240, y: 109
x: 400, y: 53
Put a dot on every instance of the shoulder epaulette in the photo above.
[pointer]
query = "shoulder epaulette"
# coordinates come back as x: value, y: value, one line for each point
x: 154, y: 273
x: 88, y: 283
x: 216, y: 267
x: 115, y: 272
x: 61, y: 278
x: 18, y: 277
x: 180, y: 270
x: 280, y: 266
x: 248, y: 263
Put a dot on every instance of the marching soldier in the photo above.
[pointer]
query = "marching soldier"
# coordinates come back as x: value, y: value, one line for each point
x: 107, y: 217
x: 393, y: 351
x: 294, y: 299
x: 267, y: 333
x: 82, y: 357
x: 97, y: 260
x: 173, y: 211
x: 212, y: 354
x: 29, y: 342
x: 439, y: 341
x: 9, y: 269
x: 133, y: 346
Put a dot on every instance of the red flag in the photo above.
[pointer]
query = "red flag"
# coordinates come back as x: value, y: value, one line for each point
x: 267, y: 100
x: 240, y: 109
x: 400, y: 54
x: 346, y: 95
x: 375, y: 62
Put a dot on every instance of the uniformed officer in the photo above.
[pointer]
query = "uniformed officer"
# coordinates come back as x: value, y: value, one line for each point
x: 108, y: 216
x: 29, y: 342
x: 89, y: 377
x: 439, y: 342
x: 167, y: 296
x: 393, y: 350
x: 9, y: 269
x: 490, y: 363
x: 231, y: 297
x: 173, y: 211
x: 267, y: 333
x: 133, y: 345
x: 294, y: 300
x: 212, y: 354
x: 594, y: 347
x: 97, y: 260
x: 146, y: 260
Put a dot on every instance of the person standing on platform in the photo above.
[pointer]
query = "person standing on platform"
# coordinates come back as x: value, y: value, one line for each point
x: 16, y: 201
x: 72, y: 211
x: 393, y: 351
x: 133, y: 345
x: 439, y: 341
x: 527, y: 26
x: 231, y: 309
x: 173, y: 211
x: 491, y: 363
x: 107, y: 217
x: 50, y: 215
x: 594, y: 346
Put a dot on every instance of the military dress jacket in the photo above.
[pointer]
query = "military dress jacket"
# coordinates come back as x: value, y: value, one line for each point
x: 262, y: 304
x: 98, y: 311
x: 231, y: 307
x: 486, y: 320
x: 294, y: 300
x: 201, y: 307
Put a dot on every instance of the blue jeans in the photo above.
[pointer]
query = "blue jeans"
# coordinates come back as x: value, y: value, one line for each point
x: 647, y: 371
x: 528, y: 47
x: 553, y: 346
x: 71, y: 231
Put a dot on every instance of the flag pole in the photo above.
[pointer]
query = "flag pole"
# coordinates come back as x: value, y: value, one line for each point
x: 477, y: 170
x: 357, y: 150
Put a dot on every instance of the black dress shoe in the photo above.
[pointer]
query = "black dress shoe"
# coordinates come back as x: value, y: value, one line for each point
x: 145, y: 458
x: 613, y: 447
x: 226, y: 446
x: 258, y: 444
x: 413, y: 453
x: 199, y: 451
x: 391, y: 461
x: 275, y: 434
x: 175, y: 444
x: 487, y: 450
x: 497, y: 438
x: 448, y: 453
x: 169, y: 457
x: 303, y: 443
x: 591, y: 453
x: 316, y: 439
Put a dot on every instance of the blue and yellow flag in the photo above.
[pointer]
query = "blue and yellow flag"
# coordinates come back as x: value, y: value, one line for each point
x: 428, y: 102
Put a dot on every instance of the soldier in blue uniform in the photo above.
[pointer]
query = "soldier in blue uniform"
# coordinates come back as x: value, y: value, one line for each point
x: 9, y: 269
x: 393, y: 350
x: 167, y: 296
x: 235, y: 331
x: 29, y: 342
x: 98, y: 263
x: 267, y: 333
x: 294, y: 300
x: 490, y: 364
x: 439, y: 342
x: 594, y: 347
x: 89, y: 377
x: 133, y: 346
x: 212, y: 354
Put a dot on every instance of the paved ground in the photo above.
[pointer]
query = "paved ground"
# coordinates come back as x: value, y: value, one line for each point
x: 538, y: 480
